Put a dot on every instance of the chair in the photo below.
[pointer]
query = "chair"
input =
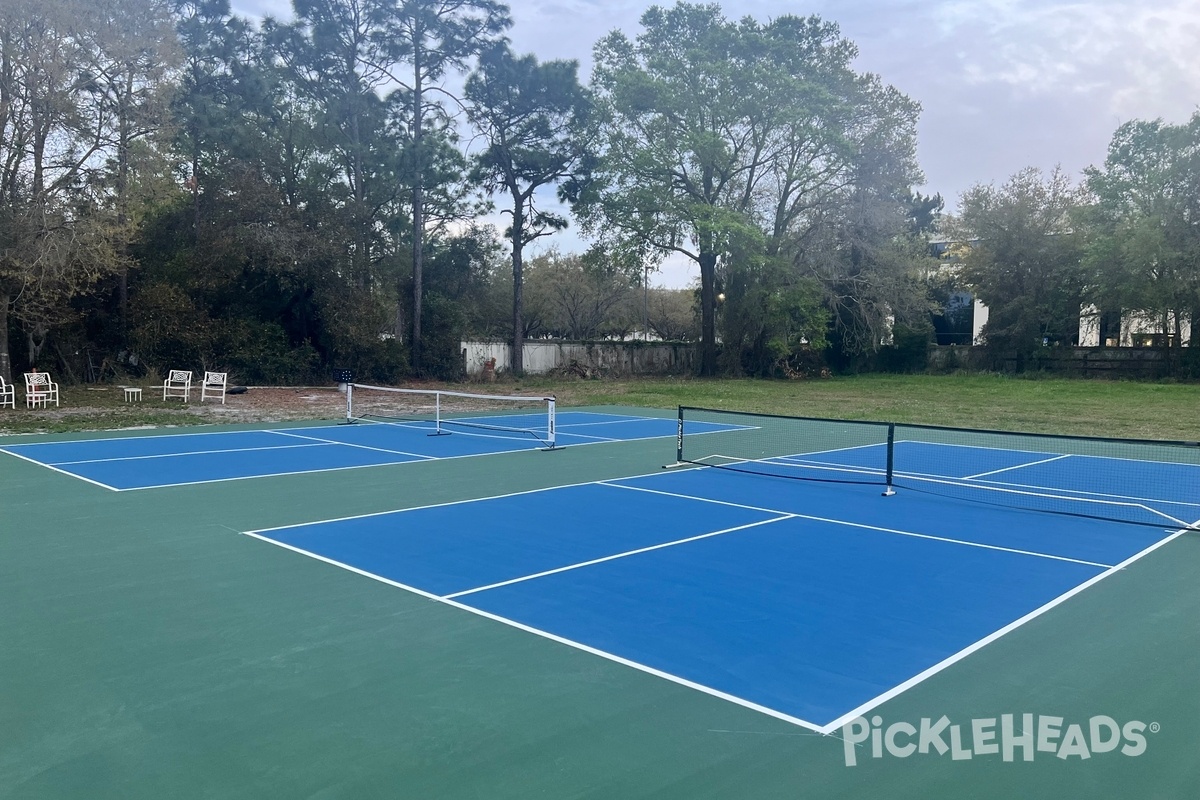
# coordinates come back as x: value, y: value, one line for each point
x: 8, y: 394
x: 40, y: 390
x: 213, y: 386
x: 178, y: 384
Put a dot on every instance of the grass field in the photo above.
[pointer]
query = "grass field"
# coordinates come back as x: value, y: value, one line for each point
x: 1047, y: 405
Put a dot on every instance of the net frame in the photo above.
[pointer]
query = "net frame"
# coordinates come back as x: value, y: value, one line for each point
x: 441, y: 421
x: 1091, y: 507
x: 740, y: 464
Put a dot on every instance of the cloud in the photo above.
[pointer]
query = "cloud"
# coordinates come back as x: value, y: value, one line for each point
x: 1135, y: 59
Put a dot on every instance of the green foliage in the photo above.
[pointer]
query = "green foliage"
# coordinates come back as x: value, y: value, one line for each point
x: 1144, y: 246
x: 443, y: 337
x: 168, y: 330
x: 259, y: 352
x: 356, y: 334
x: 909, y: 351
x: 671, y: 314
x: 573, y: 297
x: 323, y: 186
x: 533, y: 117
x: 1025, y: 261
x: 771, y: 326
x: 712, y: 126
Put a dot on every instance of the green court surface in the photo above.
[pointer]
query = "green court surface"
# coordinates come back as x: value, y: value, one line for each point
x: 148, y: 649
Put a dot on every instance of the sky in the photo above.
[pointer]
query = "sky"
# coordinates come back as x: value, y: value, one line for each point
x: 1003, y: 84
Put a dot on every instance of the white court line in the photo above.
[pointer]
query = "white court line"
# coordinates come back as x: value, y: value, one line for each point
x: 724, y: 428
x: 966, y: 651
x: 1068, y: 493
x: 1052, y: 492
x: 619, y: 421
x: 449, y: 503
x: 174, y: 435
x: 823, y: 729
x: 53, y: 468
x: 812, y: 726
x: 594, y: 439
x: 626, y: 554
x: 1168, y: 445
x: 184, y: 453
x: 1058, y: 495
x: 334, y: 426
x: 946, y: 539
x: 419, y: 459
x: 351, y: 444
x: 1015, y: 466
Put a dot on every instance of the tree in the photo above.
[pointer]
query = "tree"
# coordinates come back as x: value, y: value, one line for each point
x: 131, y: 50
x: 572, y: 297
x: 1024, y: 260
x: 671, y: 314
x: 338, y: 53
x: 56, y: 238
x: 1146, y: 242
x: 532, y: 117
x: 433, y: 38
x: 716, y: 133
x: 214, y: 87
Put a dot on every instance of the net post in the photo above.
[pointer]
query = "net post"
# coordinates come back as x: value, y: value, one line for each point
x: 345, y: 381
x: 679, y: 439
x: 550, y: 423
x: 437, y: 415
x: 891, y: 453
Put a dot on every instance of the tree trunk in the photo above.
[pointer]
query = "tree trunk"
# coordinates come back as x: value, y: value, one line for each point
x: 123, y: 140
x: 418, y: 210
x: 708, y: 314
x: 418, y: 262
x: 518, y: 340
x: 5, y: 359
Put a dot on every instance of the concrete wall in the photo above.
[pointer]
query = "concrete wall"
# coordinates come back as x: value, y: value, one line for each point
x: 621, y: 358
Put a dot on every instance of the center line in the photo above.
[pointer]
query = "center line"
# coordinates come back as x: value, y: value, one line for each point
x: 1015, y: 466
x: 618, y: 555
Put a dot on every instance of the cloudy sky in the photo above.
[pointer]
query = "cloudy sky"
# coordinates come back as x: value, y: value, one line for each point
x: 1003, y: 84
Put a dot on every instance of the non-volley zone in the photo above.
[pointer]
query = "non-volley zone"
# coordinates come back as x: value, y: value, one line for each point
x: 148, y: 461
x: 809, y: 602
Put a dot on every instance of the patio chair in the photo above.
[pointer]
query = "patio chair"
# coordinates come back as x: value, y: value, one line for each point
x: 40, y: 390
x: 213, y: 386
x: 178, y: 384
x: 8, y: 394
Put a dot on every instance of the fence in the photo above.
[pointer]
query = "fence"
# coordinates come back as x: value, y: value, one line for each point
x: 1124, y: 362
x: 621, y: 358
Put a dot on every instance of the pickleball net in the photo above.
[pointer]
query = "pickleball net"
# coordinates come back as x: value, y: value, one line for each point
x: 442, y: 412
x: 1138, y: 481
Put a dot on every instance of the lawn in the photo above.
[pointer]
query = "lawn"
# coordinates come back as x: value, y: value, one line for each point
x: 1157, y: 410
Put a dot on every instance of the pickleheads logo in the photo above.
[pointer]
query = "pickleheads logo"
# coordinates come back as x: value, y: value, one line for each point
x: 1006, y: 736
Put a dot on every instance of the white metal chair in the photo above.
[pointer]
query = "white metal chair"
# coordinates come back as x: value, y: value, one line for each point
x: 213, y: 386
x: 40, y: 390
x: 8, y: 394
x: 178, y: 384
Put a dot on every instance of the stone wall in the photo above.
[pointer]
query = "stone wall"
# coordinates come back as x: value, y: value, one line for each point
x: 613, y: 358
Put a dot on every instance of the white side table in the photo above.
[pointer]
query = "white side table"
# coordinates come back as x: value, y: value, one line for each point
x: 132, y: 393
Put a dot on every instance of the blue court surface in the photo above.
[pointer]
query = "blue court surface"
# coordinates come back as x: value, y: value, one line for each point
x: 811, y: 602
x: 142, y: 462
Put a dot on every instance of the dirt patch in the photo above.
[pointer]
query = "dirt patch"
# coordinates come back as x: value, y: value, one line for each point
x: 267, y: 404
